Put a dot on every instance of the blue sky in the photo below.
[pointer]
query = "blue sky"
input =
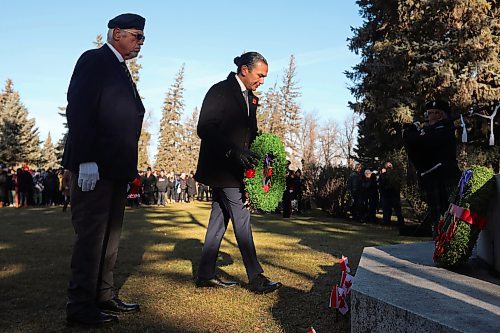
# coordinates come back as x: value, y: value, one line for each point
x: 43, y: 39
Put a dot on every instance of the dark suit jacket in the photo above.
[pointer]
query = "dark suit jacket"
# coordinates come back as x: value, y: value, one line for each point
x: 224, y: 124
x: 104, y: 116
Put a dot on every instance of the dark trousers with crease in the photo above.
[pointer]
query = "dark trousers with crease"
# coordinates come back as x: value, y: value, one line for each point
x: 97, y: 218
x: 228, y: 203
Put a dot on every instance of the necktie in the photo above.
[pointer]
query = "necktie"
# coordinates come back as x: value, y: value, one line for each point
x: 127, y: 72
x: 245, y: 95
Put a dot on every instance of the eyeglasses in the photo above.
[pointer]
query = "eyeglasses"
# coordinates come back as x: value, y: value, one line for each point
x: 434, y: 112
x: 139, y: 37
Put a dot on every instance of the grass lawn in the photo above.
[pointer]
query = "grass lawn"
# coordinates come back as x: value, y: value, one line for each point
x: 159, y: 253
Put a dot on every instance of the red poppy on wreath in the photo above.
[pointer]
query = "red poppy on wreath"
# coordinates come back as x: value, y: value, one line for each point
x: 265, y: 188
x: 250, y: 173
x: 254, y: 101
x: 269, y: 172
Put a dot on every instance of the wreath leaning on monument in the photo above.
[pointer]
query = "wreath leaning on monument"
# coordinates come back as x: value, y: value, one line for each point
x: 458, y: 231
x: 266, y: 183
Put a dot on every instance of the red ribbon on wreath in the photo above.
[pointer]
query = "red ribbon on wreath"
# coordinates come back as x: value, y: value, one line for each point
x: 443, y: 237
x: 468, y: 216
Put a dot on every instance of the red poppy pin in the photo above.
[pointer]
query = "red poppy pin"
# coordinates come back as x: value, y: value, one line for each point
x: 254, y: 101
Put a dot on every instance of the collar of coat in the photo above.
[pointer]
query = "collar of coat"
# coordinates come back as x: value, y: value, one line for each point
x: 236, y: 86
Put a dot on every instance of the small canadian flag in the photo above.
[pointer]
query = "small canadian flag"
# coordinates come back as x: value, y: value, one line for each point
x: 336, y: 297
x: 346, y: 282
x: 344, y: 264
x: 337, y: 300
x: 311, y: 330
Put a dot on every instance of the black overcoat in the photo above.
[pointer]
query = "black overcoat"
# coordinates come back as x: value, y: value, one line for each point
x: 104, y: 116
x: 224, y: 124
x: 435, y: 144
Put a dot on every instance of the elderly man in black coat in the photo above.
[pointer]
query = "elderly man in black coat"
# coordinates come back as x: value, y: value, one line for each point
x: 104, y: 116
x: 227, y: 126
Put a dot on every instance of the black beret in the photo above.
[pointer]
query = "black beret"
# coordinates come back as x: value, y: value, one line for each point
x: 439, y: 105
x: 127, y: 21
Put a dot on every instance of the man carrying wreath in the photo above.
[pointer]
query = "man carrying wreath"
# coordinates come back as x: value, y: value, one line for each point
x: 227, y: 126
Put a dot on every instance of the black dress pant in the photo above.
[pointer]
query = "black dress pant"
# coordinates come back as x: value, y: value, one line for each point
x: 97, y: 218
x: 228, y: 203
x: 438, y: 200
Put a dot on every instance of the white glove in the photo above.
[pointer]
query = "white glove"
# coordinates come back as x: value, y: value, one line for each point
x: 88, y: 176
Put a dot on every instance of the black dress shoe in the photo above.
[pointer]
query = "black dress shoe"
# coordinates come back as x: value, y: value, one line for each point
x: 115, y: 305
x: 214, y: 283
x: 263, y: 285
x: 99, y: 320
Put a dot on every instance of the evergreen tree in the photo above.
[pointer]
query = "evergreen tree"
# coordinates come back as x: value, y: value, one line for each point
x: 191, y: 142
x: 49, y: 155
x: 144, y: 140
x: 412, y: 51
x: 170, y: 140
x: 19, y: 140
x: 62, y: 141
x: 3, y: 96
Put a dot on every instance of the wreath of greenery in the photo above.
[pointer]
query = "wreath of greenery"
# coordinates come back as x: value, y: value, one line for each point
x: 266, y: 191
x: 456, y: 238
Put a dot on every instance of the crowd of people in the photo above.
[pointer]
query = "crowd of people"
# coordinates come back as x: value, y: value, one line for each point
x: 371, y: 190
x: 152, y: 187
x: 23, y: 187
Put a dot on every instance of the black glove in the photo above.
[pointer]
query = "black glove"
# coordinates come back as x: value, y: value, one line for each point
x: 244, y: 157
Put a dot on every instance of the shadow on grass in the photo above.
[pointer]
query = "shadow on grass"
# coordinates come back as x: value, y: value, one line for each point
x: 333, y: 237
x: 35, y: 252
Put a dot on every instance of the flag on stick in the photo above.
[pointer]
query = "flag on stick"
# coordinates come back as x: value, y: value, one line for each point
x: 344, y: 264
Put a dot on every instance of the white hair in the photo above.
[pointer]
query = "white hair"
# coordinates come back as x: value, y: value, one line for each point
x: 110, y: 35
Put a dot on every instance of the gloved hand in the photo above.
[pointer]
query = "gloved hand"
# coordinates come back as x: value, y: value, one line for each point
x: 246, y: 158
x: 411, y: 127
x: 88, y: 176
